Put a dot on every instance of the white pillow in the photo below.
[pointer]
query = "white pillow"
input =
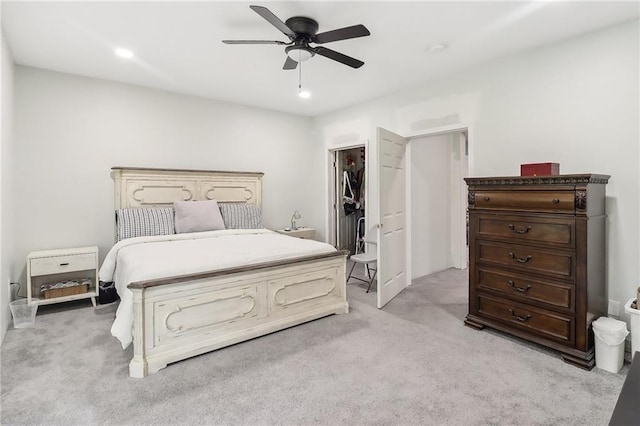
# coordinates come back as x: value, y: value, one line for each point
x: 197, y: 216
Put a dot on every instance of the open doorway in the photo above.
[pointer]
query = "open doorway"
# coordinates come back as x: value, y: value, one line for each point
x: 440, y: 235
x: 438, y: 202
x: 349, y: 184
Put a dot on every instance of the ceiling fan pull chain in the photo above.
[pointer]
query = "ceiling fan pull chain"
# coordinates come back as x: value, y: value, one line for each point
x: 299, y: 71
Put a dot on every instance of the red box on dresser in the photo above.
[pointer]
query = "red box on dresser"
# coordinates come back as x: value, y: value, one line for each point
x: 540, y: 169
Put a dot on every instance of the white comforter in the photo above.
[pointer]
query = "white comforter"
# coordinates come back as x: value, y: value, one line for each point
x: 145, y: 258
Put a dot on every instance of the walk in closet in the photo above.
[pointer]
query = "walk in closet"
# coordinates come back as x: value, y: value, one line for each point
x: 351, y: 198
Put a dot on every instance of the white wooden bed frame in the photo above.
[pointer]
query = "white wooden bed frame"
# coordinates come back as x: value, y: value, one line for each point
x: 183, y: 316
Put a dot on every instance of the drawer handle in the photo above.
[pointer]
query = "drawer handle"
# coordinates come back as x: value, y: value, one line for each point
x: 520, y: 259
x: 487, y: 198
x: 520, y: 289
x: 64, y: 264
x: 555, y: 201
x: 518, y: 317
x: 519, y: 231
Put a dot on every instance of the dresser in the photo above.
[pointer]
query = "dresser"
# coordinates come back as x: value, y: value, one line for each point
x: 537, y: 259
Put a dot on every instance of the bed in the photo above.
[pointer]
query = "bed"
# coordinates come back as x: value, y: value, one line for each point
x: 207, y: 297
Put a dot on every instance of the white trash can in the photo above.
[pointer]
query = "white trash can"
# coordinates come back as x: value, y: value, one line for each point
x: 610, y: 334
x: 24, y: 314
x: 635, y: 325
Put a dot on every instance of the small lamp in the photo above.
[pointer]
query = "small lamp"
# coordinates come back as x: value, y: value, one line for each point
x: 295, y: 216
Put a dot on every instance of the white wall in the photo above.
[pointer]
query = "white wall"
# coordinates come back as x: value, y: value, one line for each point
x: 573, y: 102
x: 431, y: 215
x: 6, y: 145
x: 69, y: 131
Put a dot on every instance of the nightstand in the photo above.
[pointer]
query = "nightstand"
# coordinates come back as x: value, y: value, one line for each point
x: 75, y: 265
x: 302, y: 232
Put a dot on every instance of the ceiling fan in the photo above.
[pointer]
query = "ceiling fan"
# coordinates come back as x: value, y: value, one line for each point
x: 302, y: 31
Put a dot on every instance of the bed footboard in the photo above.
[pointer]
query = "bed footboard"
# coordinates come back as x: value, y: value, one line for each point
x: 180, y: 317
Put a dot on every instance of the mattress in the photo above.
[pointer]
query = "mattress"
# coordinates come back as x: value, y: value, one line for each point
x: 147, y: 258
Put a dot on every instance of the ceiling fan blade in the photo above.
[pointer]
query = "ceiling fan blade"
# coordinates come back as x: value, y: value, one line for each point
x: 274, y: 20
x: 342, y: 34
x: 290, y: 64
x: 337, y: 56
x: 253, y: 42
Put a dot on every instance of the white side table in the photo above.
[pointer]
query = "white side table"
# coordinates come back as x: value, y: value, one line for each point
x: 302, y: 232
x: 51, y: 266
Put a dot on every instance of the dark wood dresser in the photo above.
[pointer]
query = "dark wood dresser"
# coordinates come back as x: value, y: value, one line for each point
x: 537, y: 259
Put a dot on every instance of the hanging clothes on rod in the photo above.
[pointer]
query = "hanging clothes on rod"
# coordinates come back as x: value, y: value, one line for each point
x: 361, y: 187
x: 350, y: 192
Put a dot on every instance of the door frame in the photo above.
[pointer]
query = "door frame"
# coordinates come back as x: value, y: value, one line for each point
x: 460, y: 256
x: 331, y: 195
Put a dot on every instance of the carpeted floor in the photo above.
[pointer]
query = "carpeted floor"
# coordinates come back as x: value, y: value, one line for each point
x: 413, y: 362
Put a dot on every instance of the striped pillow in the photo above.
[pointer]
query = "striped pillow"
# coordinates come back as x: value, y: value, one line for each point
x: 144, y: 222
x: 241, y: 216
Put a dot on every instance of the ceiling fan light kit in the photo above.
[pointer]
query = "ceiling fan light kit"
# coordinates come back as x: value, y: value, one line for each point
x: 301, y: 31
x: 298, y: 53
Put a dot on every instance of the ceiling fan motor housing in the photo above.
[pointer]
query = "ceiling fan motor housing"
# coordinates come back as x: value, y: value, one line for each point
x: 305, y: 28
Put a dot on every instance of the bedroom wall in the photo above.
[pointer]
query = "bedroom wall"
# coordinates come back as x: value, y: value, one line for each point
x: 6, y: 120
x: 70, y: 131
x: 573, y: 102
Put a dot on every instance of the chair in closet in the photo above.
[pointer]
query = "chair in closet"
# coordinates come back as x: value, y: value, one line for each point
x: 366, y: 259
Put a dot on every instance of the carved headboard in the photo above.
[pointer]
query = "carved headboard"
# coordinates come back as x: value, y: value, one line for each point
x: 145, y: 187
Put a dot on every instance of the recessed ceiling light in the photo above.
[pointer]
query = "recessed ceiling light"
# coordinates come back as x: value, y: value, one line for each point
x: 304, y: 94
x: 124, y: 53
x: 436, y: 48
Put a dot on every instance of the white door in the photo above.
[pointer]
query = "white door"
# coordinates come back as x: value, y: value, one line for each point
x: 392, y: 236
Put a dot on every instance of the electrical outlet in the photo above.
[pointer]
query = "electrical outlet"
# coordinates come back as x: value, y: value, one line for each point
x: 614, y: 308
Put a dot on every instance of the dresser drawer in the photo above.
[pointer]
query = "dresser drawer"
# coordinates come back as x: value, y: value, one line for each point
x: 539, y: 321
x: 61, y: 264
x: 525, y: 289
x: 557, y: 232
x: 538, y: 201
x: 553, y: 263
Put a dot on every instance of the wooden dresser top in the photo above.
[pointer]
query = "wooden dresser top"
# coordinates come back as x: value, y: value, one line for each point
x: 539, y: 180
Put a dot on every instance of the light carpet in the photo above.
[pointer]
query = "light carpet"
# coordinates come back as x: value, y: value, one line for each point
x: 413, y: 362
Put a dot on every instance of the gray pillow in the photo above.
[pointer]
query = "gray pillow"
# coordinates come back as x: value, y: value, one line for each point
x: 142, y: 222
x: 241, y: 216
x: 197, y: 216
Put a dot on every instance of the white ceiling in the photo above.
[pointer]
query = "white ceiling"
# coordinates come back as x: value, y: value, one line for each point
x: 178, y: 46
